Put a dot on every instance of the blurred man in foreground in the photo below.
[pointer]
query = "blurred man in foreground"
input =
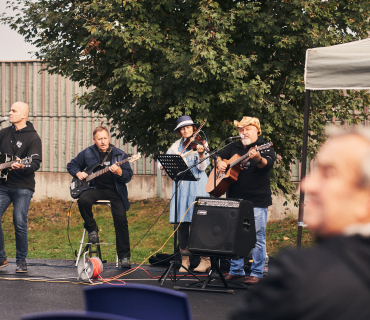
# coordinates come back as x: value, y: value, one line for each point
x: 332, y: 279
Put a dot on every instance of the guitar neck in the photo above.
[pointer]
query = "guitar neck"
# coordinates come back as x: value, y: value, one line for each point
x: 246, y: 156
x: 6, y: 165
x: 100, y: 172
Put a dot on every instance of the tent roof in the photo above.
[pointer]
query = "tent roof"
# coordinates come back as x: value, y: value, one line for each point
x: 343, y: 66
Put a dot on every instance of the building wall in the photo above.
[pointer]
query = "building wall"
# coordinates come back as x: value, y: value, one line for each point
x: 64, y: 127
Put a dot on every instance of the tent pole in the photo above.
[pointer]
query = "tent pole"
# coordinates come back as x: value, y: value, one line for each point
x: 304, y: 165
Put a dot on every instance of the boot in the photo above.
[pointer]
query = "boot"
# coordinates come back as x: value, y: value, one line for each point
x: 185, y: 261
x: 204, y: 265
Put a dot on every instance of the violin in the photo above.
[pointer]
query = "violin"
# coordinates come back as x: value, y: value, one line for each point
x: 195, y: 140
x: 198, y: 140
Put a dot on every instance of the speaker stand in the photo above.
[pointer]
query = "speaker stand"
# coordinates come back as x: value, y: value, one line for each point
x: 214, y: 271
x: 172, y: 267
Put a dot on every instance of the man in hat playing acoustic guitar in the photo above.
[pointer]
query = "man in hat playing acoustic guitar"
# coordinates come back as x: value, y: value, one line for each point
x: 253, y: 184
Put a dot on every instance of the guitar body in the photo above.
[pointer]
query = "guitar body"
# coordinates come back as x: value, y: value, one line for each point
x: 78, y: 186
x: 4, y: 158
x: 223, y: 180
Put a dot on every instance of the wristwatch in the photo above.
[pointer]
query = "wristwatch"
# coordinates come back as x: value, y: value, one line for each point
x: 259, y: 161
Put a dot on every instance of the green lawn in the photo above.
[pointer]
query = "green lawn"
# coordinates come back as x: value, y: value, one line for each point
x: 48, y: 230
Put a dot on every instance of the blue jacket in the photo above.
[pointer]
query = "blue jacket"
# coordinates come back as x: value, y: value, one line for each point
x: 89, y: 157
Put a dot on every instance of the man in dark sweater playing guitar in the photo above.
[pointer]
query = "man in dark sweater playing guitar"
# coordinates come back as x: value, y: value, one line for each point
x: 108, y: 186
x: 252, y: 184
x: 18, y: 142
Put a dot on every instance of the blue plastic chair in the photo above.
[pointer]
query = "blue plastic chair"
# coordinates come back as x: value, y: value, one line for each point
x: 74, y: 315
x: 142, y: 302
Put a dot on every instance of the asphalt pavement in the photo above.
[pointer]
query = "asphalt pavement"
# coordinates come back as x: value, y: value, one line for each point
x: 52, y: 285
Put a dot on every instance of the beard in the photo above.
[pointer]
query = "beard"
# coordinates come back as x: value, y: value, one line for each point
x: 246, y: 141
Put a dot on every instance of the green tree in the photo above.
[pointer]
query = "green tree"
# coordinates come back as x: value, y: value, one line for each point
x: 150, y: 62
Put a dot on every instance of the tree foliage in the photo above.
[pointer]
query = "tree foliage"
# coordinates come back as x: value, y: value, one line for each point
x: 150, y: 62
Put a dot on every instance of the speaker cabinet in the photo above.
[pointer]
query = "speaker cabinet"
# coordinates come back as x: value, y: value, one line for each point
x: 222, y: 226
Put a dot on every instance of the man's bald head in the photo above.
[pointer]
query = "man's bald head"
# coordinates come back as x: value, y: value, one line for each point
x: 24, y: 107
x: 18, y: 114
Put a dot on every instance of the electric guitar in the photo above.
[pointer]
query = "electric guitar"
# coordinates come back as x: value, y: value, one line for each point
x: 6, y: 162
x: 78, y: 186
x: 225, y: 179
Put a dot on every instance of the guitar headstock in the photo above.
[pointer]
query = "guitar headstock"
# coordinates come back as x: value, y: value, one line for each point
x: 265, y: 146
x: 27, y: 160
x: 134, y: 158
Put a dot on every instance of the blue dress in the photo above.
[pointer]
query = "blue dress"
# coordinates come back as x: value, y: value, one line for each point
x: 188, y: 190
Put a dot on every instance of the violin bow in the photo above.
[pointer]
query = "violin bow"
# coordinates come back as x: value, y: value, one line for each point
x: 193, y: 136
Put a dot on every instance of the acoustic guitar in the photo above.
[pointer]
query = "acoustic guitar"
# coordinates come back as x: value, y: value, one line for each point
x: 78, y: 186
x: 234, y: 167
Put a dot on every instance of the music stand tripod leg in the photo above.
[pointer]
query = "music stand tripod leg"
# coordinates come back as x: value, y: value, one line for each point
x: 173, y: 263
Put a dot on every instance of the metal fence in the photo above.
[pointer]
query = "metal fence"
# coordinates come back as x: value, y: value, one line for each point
x: 64, y: 127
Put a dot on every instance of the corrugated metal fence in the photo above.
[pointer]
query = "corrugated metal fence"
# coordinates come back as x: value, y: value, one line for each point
x: 64, y: 127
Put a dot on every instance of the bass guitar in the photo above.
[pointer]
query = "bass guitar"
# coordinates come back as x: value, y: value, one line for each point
x: 78, y: 186
x: 6, y: 162
x: 234, y: 167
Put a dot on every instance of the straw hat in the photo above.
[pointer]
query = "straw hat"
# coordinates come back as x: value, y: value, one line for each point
x: 248, y: 121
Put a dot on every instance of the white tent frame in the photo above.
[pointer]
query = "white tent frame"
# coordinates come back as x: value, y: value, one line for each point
x: 344, y: 67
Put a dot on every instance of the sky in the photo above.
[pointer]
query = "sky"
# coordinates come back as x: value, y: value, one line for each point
x: 12, y: 45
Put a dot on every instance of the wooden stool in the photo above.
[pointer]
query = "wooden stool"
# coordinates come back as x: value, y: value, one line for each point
x: 88, y: 245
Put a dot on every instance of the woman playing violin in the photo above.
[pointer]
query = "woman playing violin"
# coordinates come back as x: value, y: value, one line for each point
x: 188, y: 190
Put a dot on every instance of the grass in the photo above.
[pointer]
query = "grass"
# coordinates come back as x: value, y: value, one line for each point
x: 48, y: 236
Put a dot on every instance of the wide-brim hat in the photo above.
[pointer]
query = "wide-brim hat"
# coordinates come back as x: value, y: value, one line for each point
x: 249, y: 121
x: 184, y: 121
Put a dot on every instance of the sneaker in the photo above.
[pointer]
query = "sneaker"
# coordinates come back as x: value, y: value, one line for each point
x: 125, y: 263
x: 21, y: 266
x: 93, y: 237
x: 3, y: 262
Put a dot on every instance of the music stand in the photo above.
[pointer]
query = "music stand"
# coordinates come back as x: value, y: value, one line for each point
x: 177, y: 169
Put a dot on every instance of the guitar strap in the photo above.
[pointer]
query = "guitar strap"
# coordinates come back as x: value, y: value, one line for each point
x: 105, y: 158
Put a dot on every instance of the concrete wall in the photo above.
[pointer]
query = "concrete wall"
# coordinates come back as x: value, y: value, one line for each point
x: 56, y: 186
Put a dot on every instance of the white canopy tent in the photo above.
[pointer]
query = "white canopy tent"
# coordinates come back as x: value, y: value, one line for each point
x: 343, y: 66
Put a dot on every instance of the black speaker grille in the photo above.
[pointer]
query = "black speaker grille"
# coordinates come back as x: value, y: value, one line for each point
x: 222, y: 230
x: 215, y: 232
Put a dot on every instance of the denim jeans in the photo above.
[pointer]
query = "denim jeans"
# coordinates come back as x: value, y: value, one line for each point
x: 21, y: 199
x: 258, y: 252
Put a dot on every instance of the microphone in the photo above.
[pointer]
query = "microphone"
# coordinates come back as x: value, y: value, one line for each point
x: 237, y: 137
x: 2, y: 119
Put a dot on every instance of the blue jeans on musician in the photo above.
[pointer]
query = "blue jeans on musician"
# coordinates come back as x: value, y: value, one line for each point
x: 21, y: 199
x: 258, y: 252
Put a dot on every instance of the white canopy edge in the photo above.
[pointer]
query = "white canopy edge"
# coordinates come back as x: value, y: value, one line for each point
x: 343, y: 66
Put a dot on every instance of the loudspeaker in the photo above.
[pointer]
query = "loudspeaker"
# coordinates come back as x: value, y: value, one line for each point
x: 223, y: 227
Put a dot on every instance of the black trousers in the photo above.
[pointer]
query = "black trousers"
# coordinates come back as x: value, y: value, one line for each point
x: 85, y: 203
x: 183, y: 233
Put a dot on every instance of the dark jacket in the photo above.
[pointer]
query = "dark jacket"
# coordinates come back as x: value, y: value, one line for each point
x: 22, y: 143
x: 89, y: 157
x: 329, y: 281
x: 253, y: 183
